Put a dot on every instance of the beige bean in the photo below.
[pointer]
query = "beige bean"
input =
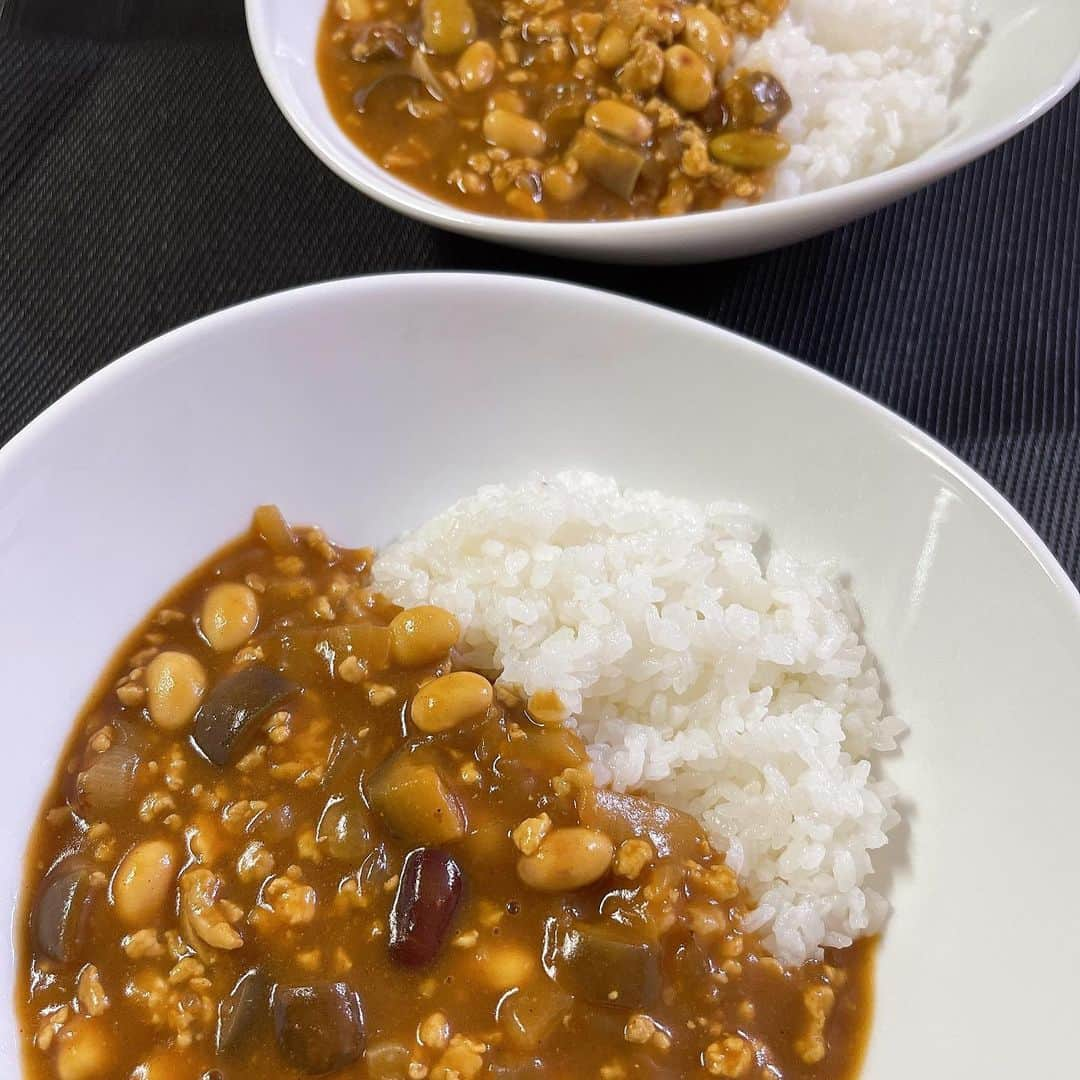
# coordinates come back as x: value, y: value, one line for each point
x: 502, y: 967
x: 509, y: 100
x: 749, y: 150
x: 708, y: 35
x: 621, y: 121
x: 569, y: 858
x: 476, y: 66
x: 688, y: 82
x: 562, y: 185
x: 612, y: 47
x: 143, y: 882
x: 515, y: 133
x: 450, y: 701
x: 230, y: 614
x: 448, y: 25
x: 422, y: 635
x: 175, y: 685
x: 84, y: 1051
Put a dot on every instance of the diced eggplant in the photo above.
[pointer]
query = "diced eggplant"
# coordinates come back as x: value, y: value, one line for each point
x: 672, y: 833
x: 344, y: 829
x: 239, y: 1010
x: 428, y: 893
x: 62, y: 911
x: 319, y: 1027
x: 531, y: 1013
x: 228, y: 719
x: 613, y: 165
x: 415, y: 802
x: 602, y: 964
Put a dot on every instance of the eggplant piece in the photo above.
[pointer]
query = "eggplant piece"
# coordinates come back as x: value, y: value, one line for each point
x: 602, y: 964
x: 611, y: 164
x: 428, y: 893
x: 530, y: 1014
x: 226, y: 722
x: 62, y: 911
x: 344, y: 829
x: 398, y: 80
x: 415, y: 802
x: 239, y: 1010
x: 672, y: 833
x: 319, y: 1027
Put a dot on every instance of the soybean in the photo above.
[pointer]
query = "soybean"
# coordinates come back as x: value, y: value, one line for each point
x: 422, y: 635
x: 175, y: 685
x: 515, y: 133
x: 450, y: 701
x: 144, y: 880
x: 476, y: 66
x: 688, y: 82
x: 230, y: 614
x: 569, y: 858
x: 448, y: 25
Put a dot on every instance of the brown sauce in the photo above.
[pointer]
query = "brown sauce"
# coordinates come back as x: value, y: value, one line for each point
x: 331, y: 860
x: 585, y: 110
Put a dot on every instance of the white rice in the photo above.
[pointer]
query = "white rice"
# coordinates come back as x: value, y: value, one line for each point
x: 870, y: 82
x: 736, y: 690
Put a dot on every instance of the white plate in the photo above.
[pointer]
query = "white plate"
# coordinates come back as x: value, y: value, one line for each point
x: 1030, y: 61
x: 366, y: 405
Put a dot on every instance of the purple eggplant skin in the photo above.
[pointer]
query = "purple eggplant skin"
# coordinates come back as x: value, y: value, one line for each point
x: 320, y: 1027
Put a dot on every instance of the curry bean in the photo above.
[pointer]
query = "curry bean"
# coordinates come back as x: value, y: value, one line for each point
x: 510, y: 100
x: 749, y: 149
x: 621, y: 121
x: 562, y: 184
x: 422, y: 635
x: 230, y: 614
x: 476, y: 66
x: 84, y: 1051
x: 612, y: 47
x: 515, y: 133
x: 708, y: 35
x: 450, y: 701
x: 569, y: 858
x: 143, y: 882
x: 505, y: 966
x: 688, y: 82
x: 175, y: 685
x: 447, y: 25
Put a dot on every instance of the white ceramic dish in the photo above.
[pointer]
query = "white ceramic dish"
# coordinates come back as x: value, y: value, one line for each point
x: 366, y: 405
x: 1030, y: 61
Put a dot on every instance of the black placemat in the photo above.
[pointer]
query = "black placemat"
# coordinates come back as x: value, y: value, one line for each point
x: 146, y: 178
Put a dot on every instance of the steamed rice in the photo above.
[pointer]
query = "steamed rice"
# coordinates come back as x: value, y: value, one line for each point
x: 870, y: 82
x: 734, y: 688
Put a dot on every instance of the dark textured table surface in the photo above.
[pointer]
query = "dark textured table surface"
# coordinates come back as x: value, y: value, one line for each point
x: 146, y: 178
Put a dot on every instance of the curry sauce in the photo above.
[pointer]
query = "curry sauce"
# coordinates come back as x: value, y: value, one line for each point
x: 290, y: 838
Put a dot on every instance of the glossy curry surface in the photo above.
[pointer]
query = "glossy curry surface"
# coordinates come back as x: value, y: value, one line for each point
x: 288, y: 838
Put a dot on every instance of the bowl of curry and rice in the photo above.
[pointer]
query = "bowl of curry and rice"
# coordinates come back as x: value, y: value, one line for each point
x: 655, y: 749
x: 622, y: 130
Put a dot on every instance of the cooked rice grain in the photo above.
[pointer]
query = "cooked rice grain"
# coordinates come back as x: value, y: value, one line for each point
x: 738, y: 691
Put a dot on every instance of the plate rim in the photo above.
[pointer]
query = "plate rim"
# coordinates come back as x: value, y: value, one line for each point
x: 830, y: 203
x: 142, y: 356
